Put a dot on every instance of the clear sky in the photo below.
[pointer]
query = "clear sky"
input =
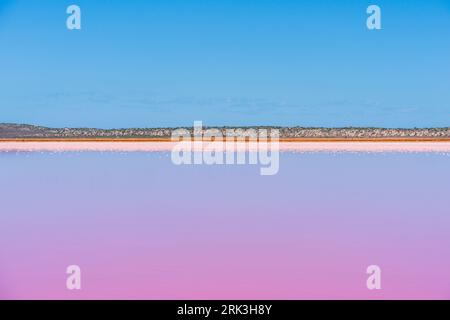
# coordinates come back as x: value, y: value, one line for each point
x: 245, y: 62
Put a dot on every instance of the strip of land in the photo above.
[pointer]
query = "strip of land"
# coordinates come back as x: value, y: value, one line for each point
x: 20, y: 132
x: 286, y: 140
x: 26, y: 138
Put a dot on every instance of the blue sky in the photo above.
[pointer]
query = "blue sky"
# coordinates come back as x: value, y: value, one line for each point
x: 249, y: 62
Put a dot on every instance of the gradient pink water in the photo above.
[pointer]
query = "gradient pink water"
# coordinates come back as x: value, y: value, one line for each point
x: 140, y: 227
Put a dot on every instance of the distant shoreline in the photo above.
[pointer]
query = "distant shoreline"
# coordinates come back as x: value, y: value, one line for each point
x: 24, y: 132
x: 284, y: 140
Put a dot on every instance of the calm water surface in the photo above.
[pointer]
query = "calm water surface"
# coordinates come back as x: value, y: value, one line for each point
x: 140, y: 227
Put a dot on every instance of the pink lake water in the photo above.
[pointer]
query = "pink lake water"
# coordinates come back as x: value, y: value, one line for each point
x: 140, y: 227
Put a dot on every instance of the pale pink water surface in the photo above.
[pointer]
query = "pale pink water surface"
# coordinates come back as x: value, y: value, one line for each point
x: 355, y: 146
x: 141, y: 227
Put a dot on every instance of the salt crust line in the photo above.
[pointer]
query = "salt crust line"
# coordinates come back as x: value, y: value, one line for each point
x: 440, y: 147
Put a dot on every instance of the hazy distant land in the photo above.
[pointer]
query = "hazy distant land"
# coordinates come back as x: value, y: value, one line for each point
x: 31, y: 132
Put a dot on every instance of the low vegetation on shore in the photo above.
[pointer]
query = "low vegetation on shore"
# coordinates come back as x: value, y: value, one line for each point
x: 21, y: 131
